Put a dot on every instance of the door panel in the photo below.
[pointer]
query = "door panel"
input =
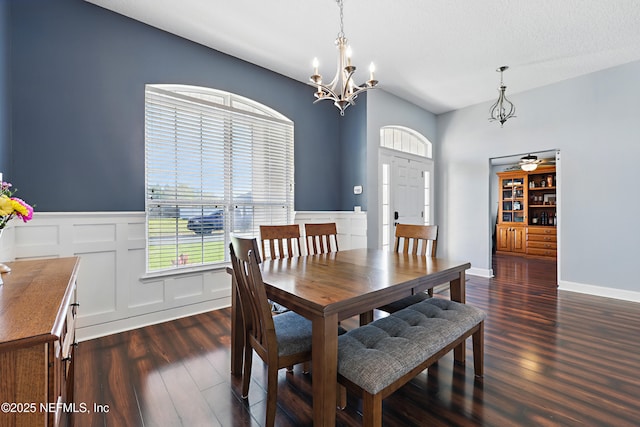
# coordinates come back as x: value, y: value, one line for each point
x: 409, y: 191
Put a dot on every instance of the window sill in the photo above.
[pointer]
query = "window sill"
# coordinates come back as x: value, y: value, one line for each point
x: 186, y: 271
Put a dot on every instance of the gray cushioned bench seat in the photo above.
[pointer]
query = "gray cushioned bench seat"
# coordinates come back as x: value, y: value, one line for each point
x: 377, y: 359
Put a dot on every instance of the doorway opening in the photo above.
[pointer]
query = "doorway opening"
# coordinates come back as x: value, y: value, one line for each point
x: 525, y: 207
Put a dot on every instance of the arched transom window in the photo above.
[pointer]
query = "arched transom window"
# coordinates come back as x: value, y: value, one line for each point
x: 407, y: 140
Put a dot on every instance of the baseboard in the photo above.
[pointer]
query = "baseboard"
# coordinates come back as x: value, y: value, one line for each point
x: 481, y: 272
x: 103, y: 329
x: 621, y: 294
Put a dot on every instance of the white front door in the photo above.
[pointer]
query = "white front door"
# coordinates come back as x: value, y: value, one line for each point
x: 407, y: 191
x: 407, y: 194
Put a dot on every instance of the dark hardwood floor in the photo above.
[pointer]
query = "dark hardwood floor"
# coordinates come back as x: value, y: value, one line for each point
x: 552, y: 358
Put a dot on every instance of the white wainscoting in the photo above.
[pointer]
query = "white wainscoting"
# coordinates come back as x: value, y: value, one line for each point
x: 351, y: 226
x: 113, y: 292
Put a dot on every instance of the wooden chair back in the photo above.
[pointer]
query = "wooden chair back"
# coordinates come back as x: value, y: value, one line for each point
x: 416, y: 238
x: 282, y: 241
x: 256, y: 310
x: 319, y: 238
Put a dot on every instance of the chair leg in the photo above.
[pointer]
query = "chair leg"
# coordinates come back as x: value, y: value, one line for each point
x: 341, y: 397
x: 246, y: 373
x: 366, y: 318
x: 272, y: 395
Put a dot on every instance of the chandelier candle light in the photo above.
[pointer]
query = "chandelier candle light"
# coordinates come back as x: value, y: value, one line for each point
x: 342, y: 90
x: 503, y: 109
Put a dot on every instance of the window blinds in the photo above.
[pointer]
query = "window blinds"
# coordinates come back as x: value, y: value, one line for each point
x: 211, y: 170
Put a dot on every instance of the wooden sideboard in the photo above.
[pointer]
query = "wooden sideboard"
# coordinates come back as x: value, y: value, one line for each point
x: 38, y: 308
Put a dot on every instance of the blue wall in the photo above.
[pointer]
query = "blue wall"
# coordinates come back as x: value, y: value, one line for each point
x: 353, y: 154
x: 77, y: 76
x: 5, y: 111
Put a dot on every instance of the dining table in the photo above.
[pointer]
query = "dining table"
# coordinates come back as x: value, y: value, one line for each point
x: 328, y: 288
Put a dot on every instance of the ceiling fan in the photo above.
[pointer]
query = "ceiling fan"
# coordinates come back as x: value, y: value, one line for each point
x: 531, y: 162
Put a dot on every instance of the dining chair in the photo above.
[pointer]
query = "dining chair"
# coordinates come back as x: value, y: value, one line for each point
x: 282, y: 241
x: 321, y: 238
x: 281, y: 340
x: 416, y: 240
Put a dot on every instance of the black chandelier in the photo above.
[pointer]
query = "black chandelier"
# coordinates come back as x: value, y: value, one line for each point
x: 503, y: 109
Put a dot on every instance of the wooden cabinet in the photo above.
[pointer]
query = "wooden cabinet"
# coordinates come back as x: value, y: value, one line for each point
x: 38, y: 309
x: 511, y: 239
x: 527, y: 216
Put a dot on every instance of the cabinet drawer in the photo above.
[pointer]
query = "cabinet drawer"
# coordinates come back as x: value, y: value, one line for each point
x: 541, y: 238
x: 541, y: 252
x: 542, y: 245
x: 542, y: 230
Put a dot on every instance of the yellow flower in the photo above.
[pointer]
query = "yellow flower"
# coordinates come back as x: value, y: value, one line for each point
x: 19, y: 207
x: 7, y: 206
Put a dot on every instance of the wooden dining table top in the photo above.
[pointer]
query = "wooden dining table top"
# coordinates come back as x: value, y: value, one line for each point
x: 352, y: 281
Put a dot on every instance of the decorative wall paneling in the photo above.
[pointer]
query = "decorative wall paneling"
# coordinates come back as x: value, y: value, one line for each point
x: 114, y: 293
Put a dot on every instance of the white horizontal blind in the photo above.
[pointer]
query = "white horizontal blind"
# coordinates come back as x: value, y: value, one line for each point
x: 211, y: 170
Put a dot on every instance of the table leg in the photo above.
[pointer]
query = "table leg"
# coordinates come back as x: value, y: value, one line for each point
x: 325, y: 369
x: 457, y: 289
x: 237, y: 332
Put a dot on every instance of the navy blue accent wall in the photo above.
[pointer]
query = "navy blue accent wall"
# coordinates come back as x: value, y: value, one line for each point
x: 5, y: 110
x: 77, y: 75
x: 353, y: 152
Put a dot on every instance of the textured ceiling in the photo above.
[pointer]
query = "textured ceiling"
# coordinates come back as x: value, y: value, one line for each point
x: 439, y: 54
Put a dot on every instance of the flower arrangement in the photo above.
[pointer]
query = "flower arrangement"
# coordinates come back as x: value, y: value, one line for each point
x: 11, y: 206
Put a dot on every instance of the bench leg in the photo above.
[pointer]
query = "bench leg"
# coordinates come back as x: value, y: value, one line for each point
x: 459, y: 353
x: 478, y: 350
x: 371, y: 410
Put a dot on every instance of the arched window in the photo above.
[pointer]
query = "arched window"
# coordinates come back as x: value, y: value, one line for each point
x: 215, y: 163
x: 407, y: 140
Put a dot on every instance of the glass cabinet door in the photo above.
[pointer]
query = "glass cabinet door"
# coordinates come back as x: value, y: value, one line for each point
x: 513, y: 200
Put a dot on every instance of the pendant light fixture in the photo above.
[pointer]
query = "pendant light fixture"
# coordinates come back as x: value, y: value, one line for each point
x: 503, y: 109
x: 341, y: 90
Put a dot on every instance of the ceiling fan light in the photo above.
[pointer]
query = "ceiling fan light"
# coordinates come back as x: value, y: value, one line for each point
x: 529, y: 163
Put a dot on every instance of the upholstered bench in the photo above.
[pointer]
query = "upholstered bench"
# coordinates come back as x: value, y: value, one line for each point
x: 377, y: 359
